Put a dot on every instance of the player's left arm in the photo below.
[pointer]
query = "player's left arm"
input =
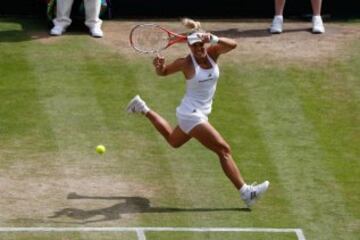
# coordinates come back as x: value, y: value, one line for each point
x: 220, y: 45
x: 163, y: 69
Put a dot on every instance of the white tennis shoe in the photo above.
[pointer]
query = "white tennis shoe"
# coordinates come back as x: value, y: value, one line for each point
x: 277, y: 24
x: 96, y: 32
x: 57, y: 30
x: 137, y: 105
x: 253, y: 192
x: 318, y: 26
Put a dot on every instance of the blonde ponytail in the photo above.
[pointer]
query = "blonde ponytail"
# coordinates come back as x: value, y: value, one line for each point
x: 191, y: 24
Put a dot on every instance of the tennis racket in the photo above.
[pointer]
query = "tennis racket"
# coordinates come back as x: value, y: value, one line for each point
x: 152, y: 38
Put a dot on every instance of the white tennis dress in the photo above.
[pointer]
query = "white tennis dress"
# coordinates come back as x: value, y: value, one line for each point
x: 197, y: 102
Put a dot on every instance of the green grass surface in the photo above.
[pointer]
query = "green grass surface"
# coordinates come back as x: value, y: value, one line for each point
x: 295, y: 125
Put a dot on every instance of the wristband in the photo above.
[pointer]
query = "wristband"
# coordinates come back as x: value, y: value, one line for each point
x: 214, y: 39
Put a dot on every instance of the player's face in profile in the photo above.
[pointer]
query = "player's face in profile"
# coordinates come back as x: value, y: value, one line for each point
x: 198, y: 49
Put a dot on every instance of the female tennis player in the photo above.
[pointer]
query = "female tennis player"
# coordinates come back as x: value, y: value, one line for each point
x: 201, y: 72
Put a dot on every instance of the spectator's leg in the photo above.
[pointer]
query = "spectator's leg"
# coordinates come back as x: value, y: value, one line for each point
x: 279, y: 7
x: 63, y: 10
x: 93, y: 22
x: 316, y: 6
x: 277, y: 23
x: 317, y: 23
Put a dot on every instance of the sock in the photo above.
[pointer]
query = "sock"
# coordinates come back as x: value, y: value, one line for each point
x: 243, y: 188
x: 146, y: 109
x: 317, y: 17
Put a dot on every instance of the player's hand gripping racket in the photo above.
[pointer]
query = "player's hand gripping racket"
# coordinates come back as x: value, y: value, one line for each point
x: 152, y: 38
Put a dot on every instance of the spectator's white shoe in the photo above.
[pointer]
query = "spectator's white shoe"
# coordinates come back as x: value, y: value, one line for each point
x: 96, y: 32
x: 137, y: 105
x: 318, y: 26
x: 57, y: 30
x: 277, y: 24
x: 252, y: 192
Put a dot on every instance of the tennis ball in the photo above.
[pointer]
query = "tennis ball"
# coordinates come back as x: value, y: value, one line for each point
x: 100, y: 149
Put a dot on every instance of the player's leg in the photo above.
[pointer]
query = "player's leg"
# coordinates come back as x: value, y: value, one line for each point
x: 207, y: 135
x: 92, y: 20
x: 62, y: 19
x: 211, y: 138
x: 318, y: 26
x: 175, y: 137
x: 277, y: 23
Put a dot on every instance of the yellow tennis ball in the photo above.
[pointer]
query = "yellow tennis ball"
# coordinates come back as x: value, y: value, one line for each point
x: 100, y: 149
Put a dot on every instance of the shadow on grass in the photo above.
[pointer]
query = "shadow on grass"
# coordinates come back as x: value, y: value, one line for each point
x: 127, y: 205
x: 24, y: 29
x: 253, y: 33
x: 29, y: 29
x: 237, y: 33
x: 309, y: 30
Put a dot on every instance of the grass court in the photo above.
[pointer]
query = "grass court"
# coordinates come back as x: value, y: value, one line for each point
x: 293, y: 121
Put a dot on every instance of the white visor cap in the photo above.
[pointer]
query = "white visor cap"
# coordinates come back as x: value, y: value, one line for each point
x: 194, y: 38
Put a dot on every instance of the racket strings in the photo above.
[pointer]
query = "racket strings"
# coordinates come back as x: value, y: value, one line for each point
x: 149, y: 39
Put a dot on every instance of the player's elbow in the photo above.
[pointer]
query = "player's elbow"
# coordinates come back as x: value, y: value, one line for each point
x: 233, y: 44
x: 161, y: 72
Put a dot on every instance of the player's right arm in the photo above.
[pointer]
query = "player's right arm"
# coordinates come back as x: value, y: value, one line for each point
x: 163, y: 69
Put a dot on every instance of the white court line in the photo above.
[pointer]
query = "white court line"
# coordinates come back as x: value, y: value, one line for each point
x: 140, y: 234
x: 300, y: 234
x: 140, y: 231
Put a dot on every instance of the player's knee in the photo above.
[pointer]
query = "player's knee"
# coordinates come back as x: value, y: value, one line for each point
x: 224, y: 150
x: 175, y: 144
